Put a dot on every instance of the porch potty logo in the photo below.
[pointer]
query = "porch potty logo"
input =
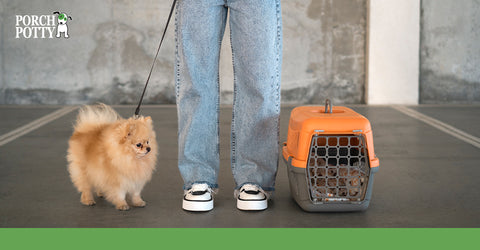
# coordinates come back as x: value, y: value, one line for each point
x: 42, y: 26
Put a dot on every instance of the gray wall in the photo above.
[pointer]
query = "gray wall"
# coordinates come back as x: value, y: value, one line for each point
x: 112, y: 44
x: 450, y: 51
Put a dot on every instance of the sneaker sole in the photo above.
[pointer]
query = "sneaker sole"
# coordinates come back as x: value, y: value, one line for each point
x: 252, y: 205
x: 197, y: 206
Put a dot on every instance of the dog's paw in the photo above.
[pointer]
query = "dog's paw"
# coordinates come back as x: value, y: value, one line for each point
x: 123, y: 207
x: 100, y: 194
x: 88, y: 202
x: 87, y: 199
x: 140, y: 203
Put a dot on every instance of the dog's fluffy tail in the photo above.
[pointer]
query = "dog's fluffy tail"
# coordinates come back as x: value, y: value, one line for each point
x: 95, y: 115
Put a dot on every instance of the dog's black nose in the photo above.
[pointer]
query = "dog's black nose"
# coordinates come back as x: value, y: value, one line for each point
x: 148, y: 149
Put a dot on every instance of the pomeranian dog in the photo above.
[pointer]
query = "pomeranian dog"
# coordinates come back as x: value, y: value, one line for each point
x: 111, y: 156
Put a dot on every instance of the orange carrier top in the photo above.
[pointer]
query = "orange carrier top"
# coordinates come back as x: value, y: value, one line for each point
x: 306, y: 121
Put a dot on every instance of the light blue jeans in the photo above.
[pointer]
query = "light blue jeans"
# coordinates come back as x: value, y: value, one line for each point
x: 256, y: 39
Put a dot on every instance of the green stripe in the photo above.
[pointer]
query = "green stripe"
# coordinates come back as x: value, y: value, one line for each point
x: 245, y: 239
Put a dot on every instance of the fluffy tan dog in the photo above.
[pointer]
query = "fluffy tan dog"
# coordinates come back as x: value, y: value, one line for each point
x: 112, y: 156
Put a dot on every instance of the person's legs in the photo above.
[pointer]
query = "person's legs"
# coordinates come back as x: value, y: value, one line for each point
x: 200, y: 26
x: 256, y: 38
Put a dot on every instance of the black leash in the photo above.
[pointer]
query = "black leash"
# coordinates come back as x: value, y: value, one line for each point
x: 137, y: 111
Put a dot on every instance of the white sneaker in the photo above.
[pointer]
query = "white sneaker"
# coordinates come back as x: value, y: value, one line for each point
x: 251, y: 197
x: 199, y: 198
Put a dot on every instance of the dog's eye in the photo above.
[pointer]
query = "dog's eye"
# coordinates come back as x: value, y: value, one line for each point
x: 139, y: 145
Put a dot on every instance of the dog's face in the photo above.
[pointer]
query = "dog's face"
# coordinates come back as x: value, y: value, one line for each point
x: 139, y: 136
x: 62, y: 18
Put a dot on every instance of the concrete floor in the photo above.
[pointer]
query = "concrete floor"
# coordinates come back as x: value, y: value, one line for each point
x: 427, y: 178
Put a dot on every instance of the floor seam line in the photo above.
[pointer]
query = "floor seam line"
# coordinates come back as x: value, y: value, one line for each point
x: 444, y: 127
x: 35, y: 124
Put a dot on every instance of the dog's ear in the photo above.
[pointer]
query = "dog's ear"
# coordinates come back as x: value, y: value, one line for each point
x: 130, y: 129
x: 126, y: 129
x: 148, y: 120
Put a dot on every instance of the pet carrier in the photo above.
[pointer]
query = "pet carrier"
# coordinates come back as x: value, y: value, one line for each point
x: 330, y: 158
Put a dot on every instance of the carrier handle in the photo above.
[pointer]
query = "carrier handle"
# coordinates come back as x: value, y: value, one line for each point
x: 328, y: 103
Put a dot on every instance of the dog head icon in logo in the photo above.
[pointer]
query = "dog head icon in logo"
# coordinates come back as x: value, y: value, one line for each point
x: 62, y: 24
